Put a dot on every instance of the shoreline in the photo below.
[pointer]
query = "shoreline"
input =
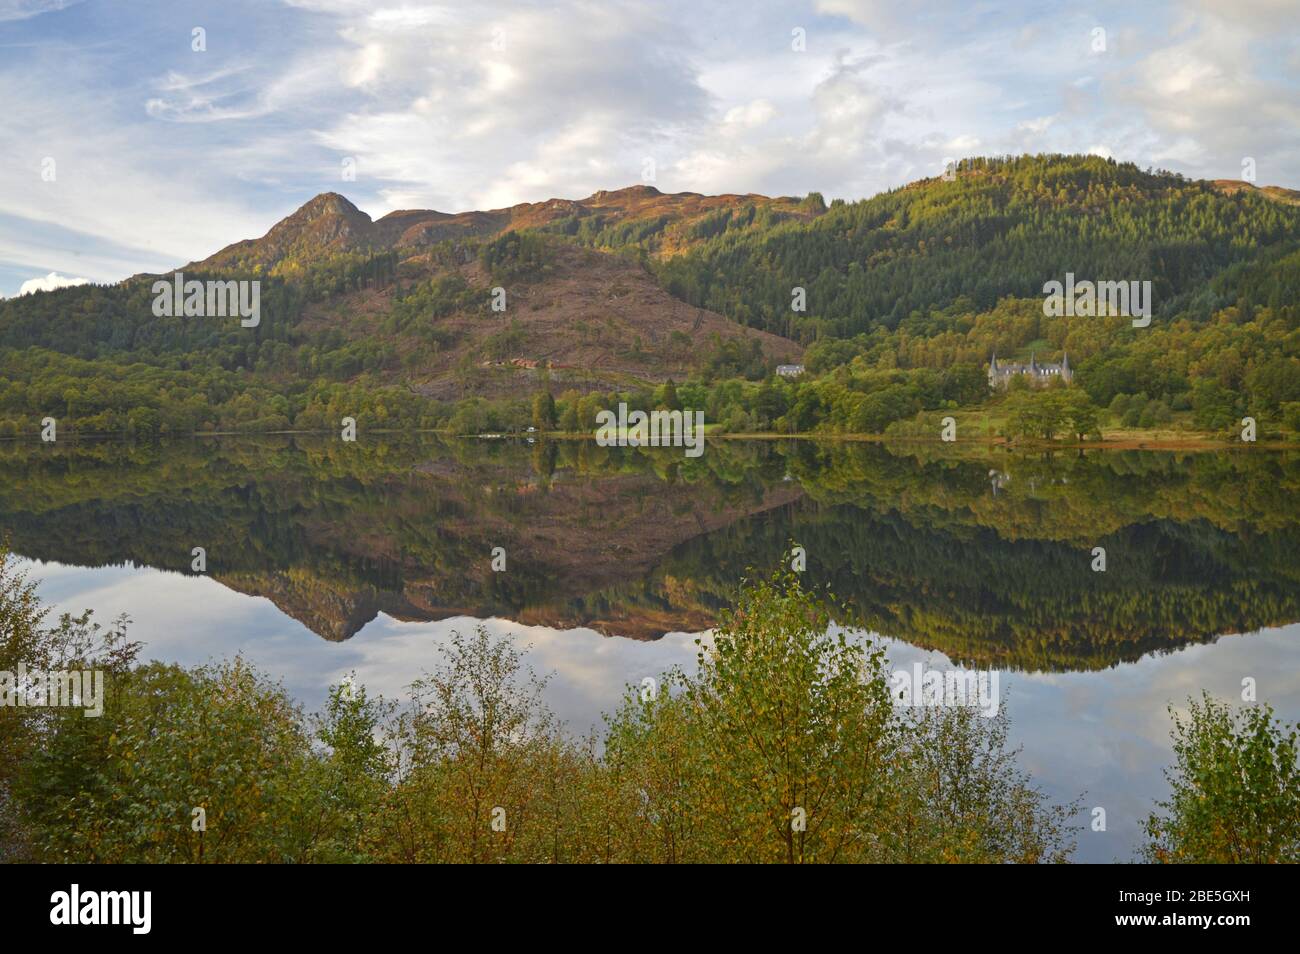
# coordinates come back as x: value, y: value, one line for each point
x: 1193, y: 441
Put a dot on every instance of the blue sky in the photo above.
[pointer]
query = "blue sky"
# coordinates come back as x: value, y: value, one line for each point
x: 162, y: 153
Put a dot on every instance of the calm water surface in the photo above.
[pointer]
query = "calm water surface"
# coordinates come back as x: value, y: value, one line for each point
x: 325, y: 559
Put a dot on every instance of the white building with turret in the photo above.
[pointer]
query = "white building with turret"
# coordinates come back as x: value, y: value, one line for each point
x: 1038, y: 375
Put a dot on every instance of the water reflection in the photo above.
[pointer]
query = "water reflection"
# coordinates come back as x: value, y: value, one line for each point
x: 1103, y: 733
x: 327, y: 558
x: 923, y: 546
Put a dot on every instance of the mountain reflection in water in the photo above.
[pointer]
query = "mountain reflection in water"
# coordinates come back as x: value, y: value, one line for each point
x: 984, y: 555
x: 951, y: 554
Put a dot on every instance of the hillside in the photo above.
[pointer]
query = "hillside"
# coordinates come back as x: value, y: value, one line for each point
x: 589, y: 318
x: 605, y: 299
x: 400, y: 307
x: 1001, y: 228
x: 330, y: 223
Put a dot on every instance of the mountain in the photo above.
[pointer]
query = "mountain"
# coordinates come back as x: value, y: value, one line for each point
x: 1276, y: 193
x: 1000, y: 228
x: 330, y: 224
x: 894, y: 304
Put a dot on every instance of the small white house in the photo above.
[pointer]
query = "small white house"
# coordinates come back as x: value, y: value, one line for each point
x: 789, y: 370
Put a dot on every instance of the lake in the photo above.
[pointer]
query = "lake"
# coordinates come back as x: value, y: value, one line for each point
x: 325, y: 558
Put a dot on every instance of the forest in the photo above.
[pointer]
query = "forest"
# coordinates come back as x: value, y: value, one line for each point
x: 906, y: 297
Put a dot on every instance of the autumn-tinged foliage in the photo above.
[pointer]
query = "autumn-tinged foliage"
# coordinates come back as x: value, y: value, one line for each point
x: 999, y: 229
x: 908, y: 295
x: 1235, y: 784
x: 29, y: 639
x: 784, y: 747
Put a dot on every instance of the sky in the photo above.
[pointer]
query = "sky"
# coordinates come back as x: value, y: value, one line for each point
x: 130, y: 143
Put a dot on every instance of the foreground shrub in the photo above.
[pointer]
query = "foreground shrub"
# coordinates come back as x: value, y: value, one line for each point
x: 1235, y: 789
x: 783, y: 746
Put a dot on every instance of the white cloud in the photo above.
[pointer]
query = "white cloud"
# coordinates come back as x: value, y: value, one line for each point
x: 1208, y: 98
x: 118, y: 197
x: 506, y: 103
x: 24, y: 9
x: 209, y: 97
x: 749, y: 116
x: 1037, y: 125
x: 49, y: 283
x: 164, y: 158
x: 874, y: 14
